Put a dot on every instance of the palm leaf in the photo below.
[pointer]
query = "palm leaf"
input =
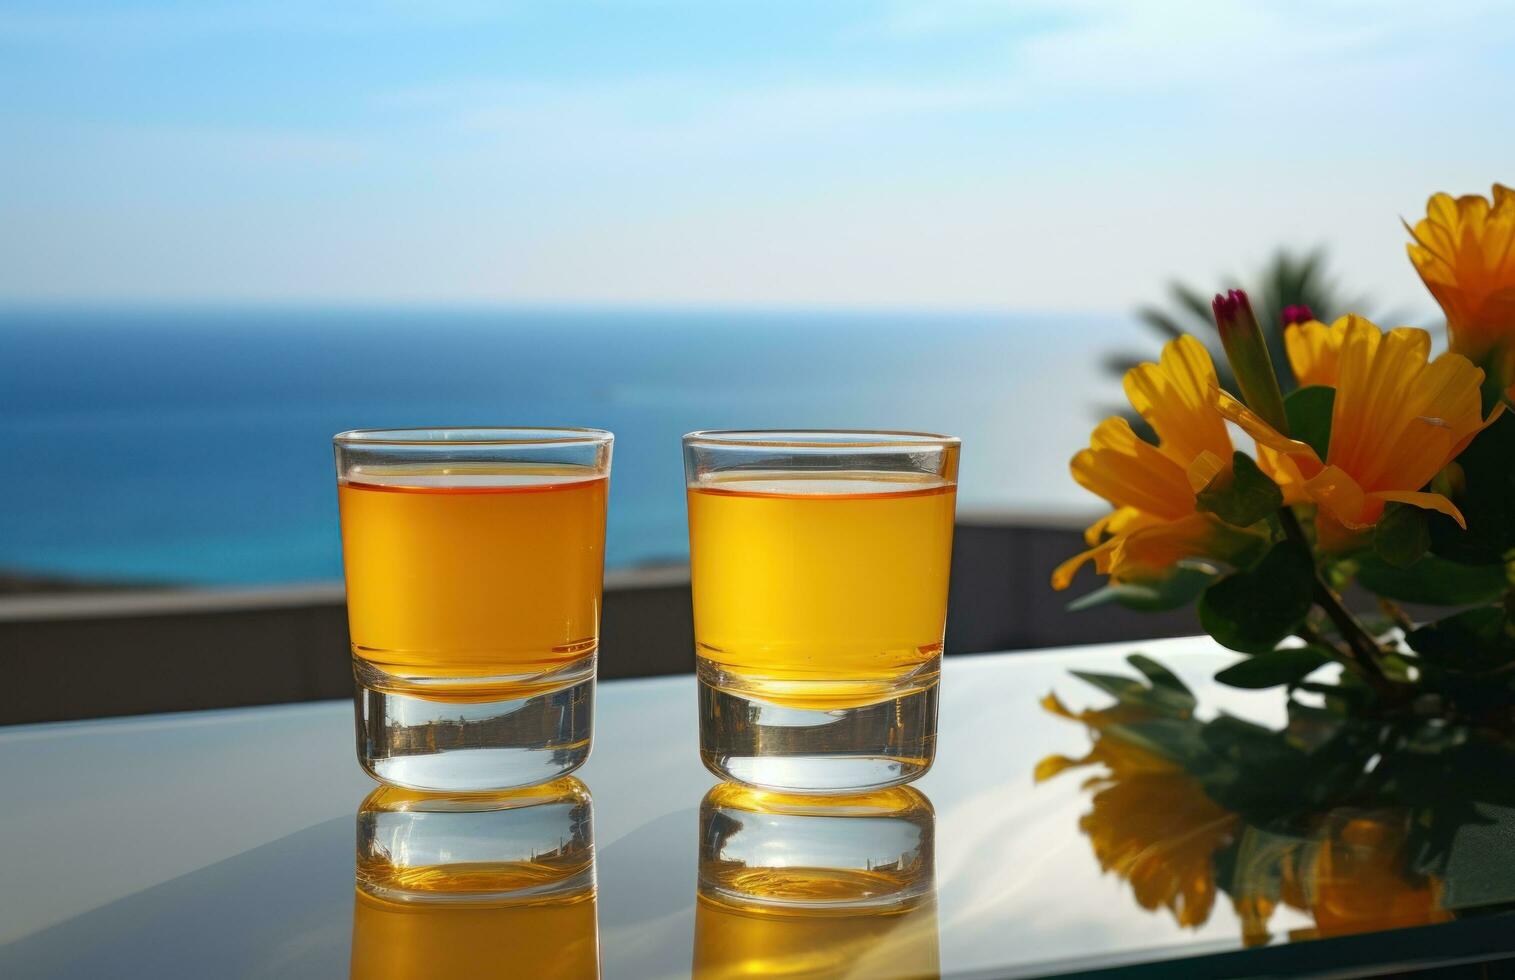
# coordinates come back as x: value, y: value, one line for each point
x: 1289, y: 278
x: 1161, y: 322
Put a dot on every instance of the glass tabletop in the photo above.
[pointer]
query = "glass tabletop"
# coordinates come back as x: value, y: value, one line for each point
x: 223, y: 844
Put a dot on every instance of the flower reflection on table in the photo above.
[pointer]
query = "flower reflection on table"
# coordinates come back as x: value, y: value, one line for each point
x: 816, y: 886
x: 476, y: 884
x: 1358, y: 825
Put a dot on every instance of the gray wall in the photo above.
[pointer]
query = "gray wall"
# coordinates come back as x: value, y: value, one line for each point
x: 93, y: 654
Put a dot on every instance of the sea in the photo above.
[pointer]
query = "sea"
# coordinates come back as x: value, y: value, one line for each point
x: 192, y: 446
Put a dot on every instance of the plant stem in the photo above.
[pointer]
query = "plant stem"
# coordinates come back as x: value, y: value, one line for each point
x: 1363, y: 649
x: 1314, y: 638
x: 1398, y: 615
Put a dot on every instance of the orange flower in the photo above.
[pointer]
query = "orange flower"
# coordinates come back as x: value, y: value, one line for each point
x: 1362, y: 882
x: 1314, y: 351
x: 1464, y: 250
x: 1398, y: 419
x: 1155, y: 523
x: 1352, y: 875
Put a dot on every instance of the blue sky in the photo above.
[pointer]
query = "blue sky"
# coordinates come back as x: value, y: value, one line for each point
x: 1042, y: 155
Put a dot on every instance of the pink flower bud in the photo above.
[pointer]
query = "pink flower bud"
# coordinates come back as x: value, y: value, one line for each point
x: 1297, y: 313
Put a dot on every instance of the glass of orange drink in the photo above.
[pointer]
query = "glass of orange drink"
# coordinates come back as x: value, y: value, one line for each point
x: 474, y: 559
x: 819, y: 564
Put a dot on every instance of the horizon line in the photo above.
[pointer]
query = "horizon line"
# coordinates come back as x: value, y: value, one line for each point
x: 136, y: 305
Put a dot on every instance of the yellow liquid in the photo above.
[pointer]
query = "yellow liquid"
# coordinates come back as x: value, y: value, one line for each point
x: 467, y: 919
x: 840, y: 577
x: 405, y: 940
x: 473, y: 572
x: 737, y: 940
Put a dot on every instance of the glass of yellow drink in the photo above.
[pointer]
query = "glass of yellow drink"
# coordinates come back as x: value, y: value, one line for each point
x: 819, y: 563
x: 816, y: 886
x: 476, y: 884
x: 474, y: 560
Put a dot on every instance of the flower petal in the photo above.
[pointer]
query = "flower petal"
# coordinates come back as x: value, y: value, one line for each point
x: 1252, y: 424
x: 1052, y: 765
x: 1151, y: 552
x: 1062, y: 575
x: 1425, y: 501
x: 1339, y: 496
x: 1174, y: 397
x: 1397, y: 420
x: 1122, y: 520
x: 1130, y: 472
x: 1313, y: 350
x: 1205, y: 468
x: 1283, y: 470
x: 1464, y: 250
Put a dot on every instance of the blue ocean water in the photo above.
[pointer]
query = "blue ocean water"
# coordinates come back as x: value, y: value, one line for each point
x: 193, y: 446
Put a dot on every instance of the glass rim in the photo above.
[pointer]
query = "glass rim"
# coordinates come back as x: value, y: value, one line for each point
x: 475, y: 435
x: 838, y: 439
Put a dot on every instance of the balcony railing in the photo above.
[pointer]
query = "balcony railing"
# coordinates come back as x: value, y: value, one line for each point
x: 90, y: 654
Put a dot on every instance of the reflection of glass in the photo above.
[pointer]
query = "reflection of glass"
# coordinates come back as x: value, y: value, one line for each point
x: 820, y: 564
x: 473, y: 560
x: 800, y: 886
x: 476, y: 885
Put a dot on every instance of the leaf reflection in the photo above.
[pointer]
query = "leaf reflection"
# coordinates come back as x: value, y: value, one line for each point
x: 1359, y: 823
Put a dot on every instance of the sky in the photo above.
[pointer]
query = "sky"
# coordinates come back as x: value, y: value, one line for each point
x: 1069, y: 155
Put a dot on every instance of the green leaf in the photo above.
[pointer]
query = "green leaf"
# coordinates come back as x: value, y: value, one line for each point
x: 1341, y: 696
x: 1162, y: 677
x: 1309, y: 411
x: 1403, y: 535
x: 1177, y: 589
x: 1258, y: 871
x: 1242, y: 495
x: 1474, y: 641
x: 1260, y: 754
x: 1289, y: 665
x: 1155, y: 672
x: 1175, y: 739
x: 1161, y: 322
x: 1486, y: 497
x: 1129, y: 691
x: 1433, y: 580
x: 1252, y: 610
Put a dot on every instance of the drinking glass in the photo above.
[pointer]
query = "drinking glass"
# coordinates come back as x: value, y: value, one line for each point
x: 819, y: 564
x: 476, y: 884
x: 474, y: 560
x: 793, y: 885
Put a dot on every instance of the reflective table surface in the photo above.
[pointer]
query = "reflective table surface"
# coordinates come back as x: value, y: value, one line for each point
x: 229, y: 843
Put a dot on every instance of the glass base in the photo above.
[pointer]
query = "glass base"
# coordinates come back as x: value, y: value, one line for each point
x: 824, y: 749
x: 477, y: 744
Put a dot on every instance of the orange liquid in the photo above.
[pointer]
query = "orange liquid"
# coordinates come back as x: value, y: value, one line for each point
x: 732, y: 941
x: 405, y: 940
x: 813, y: 578
x: 531, y: 917
x: 474, y: 573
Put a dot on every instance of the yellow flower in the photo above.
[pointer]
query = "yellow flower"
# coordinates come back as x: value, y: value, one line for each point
x: 1352, y: 875
x: 1121, y: 758
x: 1398, y: 419
x: 1362, y: 882
x: 1464, y: 250
x: 1314, y: 351
x: 1151, y: 824
x: 1155, y: 523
